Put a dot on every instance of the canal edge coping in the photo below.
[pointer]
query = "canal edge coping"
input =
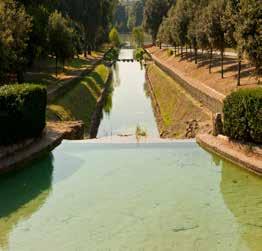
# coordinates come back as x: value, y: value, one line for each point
x: 230, y: 152
x: 204, y: 94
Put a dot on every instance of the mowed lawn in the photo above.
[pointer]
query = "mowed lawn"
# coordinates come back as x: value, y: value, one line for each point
x: 176, y: 106
x: 80, y: 102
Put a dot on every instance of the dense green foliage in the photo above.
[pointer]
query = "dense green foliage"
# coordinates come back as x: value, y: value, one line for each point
x: 15, y: 25
x: 112, y: 55
x: 114, y: 38
x: 129, y: 15
x: 243, y: 115
x: 138, y: 36
x: 30, y: 30
x: 22, y: 112
x: 61, y: 46
x: 154, y: 12
x: 248, y: 31
x: 210, y: 24
x: 139, y: 54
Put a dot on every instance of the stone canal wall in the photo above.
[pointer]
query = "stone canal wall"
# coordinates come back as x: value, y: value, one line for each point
x: 97, y: 115
x: 212, y: 99
x: 235, y: 152
x: 19, y: 155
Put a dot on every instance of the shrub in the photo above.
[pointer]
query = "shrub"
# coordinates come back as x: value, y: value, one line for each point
x: 243, y: 115
x: 139, y: 54
x: 22, y: 112
x: 112, y: 54
x: 114, y: 37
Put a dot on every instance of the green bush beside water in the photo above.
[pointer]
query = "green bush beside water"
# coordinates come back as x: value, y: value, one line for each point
x: 112, y: 54
x: 243, y: 115
x: 22, y: 112
x: 139, y: 54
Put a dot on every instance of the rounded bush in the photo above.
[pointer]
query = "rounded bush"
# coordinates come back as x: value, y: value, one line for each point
x: 243, y: 115
x: 22, y: 112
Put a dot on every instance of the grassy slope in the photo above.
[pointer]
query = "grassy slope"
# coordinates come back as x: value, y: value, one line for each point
x: 177, y: 107
x: 80, y: 102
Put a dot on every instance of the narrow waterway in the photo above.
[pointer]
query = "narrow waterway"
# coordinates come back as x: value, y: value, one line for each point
x: 130, y: 105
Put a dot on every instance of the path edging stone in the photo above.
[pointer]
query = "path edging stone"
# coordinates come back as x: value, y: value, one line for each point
x: 230, y: 152
x: 212, y: 99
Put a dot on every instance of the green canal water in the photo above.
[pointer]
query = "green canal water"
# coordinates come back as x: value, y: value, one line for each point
x: 172, y: 196
x: 130, y: 106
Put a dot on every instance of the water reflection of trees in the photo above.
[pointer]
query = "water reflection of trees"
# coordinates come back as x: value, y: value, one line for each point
x: 116, y: 75
x: 242, y: 195
x: 146, y: 89
x: 108, y: 104
x: 22, y: 194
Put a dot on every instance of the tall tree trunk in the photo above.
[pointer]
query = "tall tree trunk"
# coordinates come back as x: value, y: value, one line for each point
x: 239, y: 70
x: 160, y: 45
x: 186, y: 50
x: 195, y: 49
x: 210, y: 60
x: 89, y: 50
x: 175, y: 50
x: 20, y: 76
x: 56, y: 62
x: 222, y: 63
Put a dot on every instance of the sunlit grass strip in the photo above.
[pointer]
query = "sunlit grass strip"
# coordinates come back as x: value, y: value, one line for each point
x: 80, y: 102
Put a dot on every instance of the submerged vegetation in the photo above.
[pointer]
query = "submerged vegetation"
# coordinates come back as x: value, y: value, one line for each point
x: 140, y: 132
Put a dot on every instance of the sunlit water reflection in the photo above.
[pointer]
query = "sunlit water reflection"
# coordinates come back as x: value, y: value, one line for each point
x: 130, y: 106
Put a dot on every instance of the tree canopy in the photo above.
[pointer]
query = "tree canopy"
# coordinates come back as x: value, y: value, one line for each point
x: 31, y: 29
x: 209, y: 25
x: 154, y: 13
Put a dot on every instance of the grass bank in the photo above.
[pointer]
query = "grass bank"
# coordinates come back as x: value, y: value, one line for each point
x: 44, y: 70
x: 178, y: 114
x: 80, y: 102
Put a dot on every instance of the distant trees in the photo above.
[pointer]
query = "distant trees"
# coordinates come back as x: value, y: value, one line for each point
x: 138, y: 36
x: 154, y: 13
x: 249, y: 31
x: 120, y: 19
x: 27, y: 31
x: 210, y: 25
x: 215, y: 28
x: 114, y: 37
x: 60, y: 37
x: 164, y: 32
x: 15, y: 26
x: 128, y: 15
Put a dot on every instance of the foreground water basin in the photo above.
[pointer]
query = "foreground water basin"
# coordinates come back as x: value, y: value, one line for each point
x: 166, y: 196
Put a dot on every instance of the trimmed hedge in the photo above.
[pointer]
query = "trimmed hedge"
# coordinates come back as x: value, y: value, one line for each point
x: 243, y: 115
x: 22, y: 112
